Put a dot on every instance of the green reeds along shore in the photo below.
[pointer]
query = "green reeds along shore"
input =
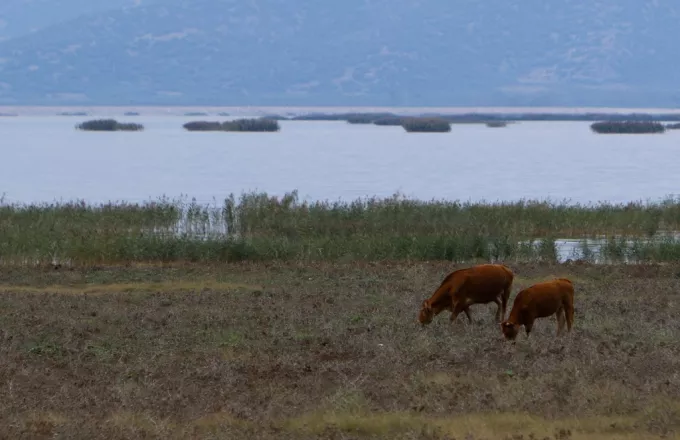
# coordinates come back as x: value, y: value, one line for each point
x: 258, y: 227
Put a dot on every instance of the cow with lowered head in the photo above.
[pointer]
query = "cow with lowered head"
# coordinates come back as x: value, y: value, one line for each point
x: 460, y: 289
x: 555, y: 297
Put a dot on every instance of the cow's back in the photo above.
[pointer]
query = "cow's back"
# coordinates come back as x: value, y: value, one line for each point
x: 543, y: 299
x: 485, y: 280
x: 564, y: 288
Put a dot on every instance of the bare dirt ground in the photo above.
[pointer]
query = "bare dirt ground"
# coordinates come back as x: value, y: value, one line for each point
x: 294, y: 351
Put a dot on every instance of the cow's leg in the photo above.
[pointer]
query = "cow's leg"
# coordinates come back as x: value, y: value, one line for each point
x: 561, y: 319
x: 499, y: 310
x: 454, y: 313
x: 528, y: 326
x: 569, y: 314
x: 505, y: 297
x: 467, y: 313
x: 460, y: 307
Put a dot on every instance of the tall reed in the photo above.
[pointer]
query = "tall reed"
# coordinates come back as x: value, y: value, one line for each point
x: 256, y: 226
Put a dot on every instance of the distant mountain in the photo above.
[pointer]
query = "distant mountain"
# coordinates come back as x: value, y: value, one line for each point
x: 354, y: 52
x: 20, y: 17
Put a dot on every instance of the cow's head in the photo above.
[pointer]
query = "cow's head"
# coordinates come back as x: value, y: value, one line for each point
x: 509, y: 330
x: 426, y: 313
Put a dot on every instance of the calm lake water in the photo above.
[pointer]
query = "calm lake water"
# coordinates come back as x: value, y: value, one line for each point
x: 46, y: 159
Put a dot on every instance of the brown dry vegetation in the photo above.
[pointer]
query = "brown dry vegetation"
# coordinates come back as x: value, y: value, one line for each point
x: 300, y: 351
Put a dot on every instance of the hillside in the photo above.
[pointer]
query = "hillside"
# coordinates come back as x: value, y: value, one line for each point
x: 356, y: 52
x: 20, y: 17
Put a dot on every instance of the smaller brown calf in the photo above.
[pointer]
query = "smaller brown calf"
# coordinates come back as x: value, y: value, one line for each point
x: 555, y: 297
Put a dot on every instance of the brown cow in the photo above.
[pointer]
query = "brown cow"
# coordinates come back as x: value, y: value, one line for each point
x: 460, y: 289
x: 555, y: 297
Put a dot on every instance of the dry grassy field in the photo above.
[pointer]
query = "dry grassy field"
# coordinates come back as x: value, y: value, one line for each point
x: 329, y: 350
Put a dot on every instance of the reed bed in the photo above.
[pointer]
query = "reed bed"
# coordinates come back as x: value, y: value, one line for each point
x: 259, y: 227
x: 245, y: 124
x: 627, y: 127
x: 108, y: 125
x: 426, y: 125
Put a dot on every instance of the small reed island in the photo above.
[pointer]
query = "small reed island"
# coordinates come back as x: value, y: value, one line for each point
x: 426, y: 125
x: 627, y: 127
x: 254, y: 124
x: 108, y: 125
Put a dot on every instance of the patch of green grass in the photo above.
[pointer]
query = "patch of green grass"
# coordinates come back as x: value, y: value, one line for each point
x: 103, y: 352
x: 45, y: 347
x: 230, y: 338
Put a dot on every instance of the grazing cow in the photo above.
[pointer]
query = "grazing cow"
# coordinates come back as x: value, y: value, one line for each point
x: 460, y: 289
x: 555, y: 297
